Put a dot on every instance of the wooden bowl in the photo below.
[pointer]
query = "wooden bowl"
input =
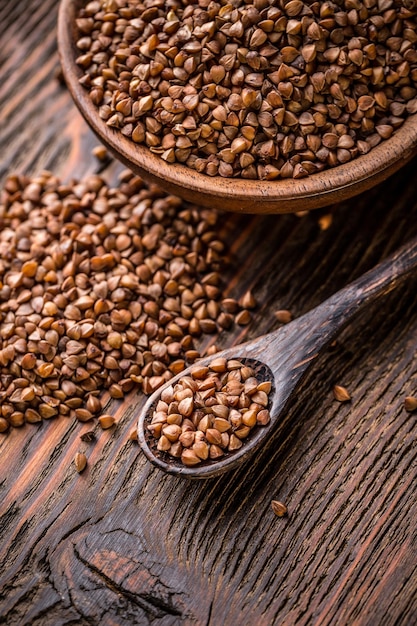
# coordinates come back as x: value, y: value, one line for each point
x: 247, y: 196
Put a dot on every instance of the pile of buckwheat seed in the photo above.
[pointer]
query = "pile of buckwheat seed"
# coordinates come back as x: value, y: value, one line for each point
x: 101, y: 289
x: 258, y: 90
x: 211, y: 412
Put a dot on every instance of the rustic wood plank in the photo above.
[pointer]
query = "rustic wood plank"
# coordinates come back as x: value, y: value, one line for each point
x: 122, y: 543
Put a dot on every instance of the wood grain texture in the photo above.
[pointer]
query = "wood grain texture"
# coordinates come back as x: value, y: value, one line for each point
x: 124, y: 544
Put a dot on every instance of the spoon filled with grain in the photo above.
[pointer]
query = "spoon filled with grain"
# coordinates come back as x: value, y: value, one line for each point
x: 212, y: 416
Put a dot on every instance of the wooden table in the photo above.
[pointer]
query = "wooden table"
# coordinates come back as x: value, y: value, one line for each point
x: 124, y: 544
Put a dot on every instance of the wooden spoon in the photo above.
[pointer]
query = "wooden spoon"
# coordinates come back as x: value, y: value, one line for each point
x: 237, y: 194
x: 283, y: 357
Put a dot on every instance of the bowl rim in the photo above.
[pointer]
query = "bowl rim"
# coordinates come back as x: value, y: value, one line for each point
x: 237, y: 194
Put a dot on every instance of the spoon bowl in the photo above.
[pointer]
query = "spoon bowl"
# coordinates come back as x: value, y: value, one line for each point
x: 248, y: 196
x: 283, y: 357
x: 231, y: 459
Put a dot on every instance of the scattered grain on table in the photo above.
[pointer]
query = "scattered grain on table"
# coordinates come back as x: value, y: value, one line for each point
x: 279, y: 508
x: 410, y: 403
x: 283, y: 316
x: 106, y: 421
x: 341, y: 394
x: 80, y: 462
x: 88, y: 436
x: 101, y: 154
x: 325, y: 221
x: 102, y: 289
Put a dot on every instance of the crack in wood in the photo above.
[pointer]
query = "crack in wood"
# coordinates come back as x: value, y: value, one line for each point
x: 153, y: 606
x: 209, y: 614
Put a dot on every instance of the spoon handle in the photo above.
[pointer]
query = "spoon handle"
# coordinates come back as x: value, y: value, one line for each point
x: 337, y: 310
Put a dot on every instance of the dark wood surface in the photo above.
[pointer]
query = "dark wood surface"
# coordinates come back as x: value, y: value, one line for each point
x: 125, y: 544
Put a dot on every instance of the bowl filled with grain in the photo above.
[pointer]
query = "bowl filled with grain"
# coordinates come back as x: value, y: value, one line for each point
x: 268, y: 106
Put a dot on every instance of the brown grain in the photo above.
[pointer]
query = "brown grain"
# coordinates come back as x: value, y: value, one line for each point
x: 259, y: 90
x: 209, y: 413
x: 103, y: 289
